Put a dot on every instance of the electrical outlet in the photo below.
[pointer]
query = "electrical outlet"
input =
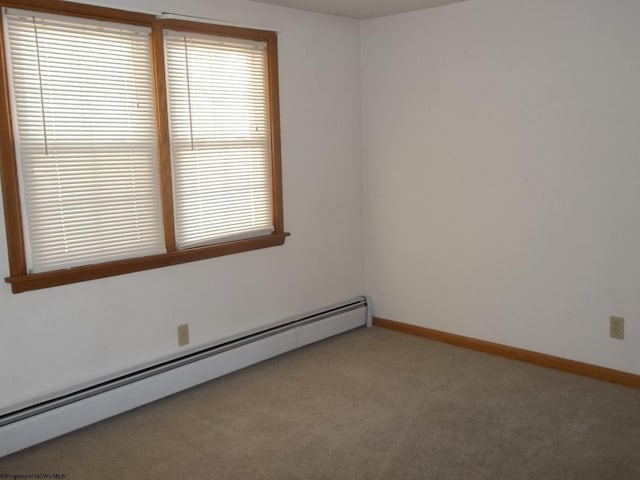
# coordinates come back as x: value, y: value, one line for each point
x: 183, y: 334
x: 616, y: 327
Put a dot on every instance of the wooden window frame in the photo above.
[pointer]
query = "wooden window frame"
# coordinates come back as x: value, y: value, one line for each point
x: 19, y: 278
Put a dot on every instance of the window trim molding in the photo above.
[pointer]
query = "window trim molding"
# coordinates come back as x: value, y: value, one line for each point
x: 35, y: 281
x: 19, y: 278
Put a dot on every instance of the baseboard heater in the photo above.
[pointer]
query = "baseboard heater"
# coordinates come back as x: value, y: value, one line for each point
x: 29, y: 425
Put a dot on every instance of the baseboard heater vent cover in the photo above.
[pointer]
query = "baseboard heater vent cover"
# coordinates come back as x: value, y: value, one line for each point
x: 35, y: 423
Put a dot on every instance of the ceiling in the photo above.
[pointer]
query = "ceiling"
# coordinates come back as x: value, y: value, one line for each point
x: 360, y: 9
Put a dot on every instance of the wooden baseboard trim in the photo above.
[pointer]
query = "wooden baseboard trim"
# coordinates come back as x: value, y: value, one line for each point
x: 541, y: 359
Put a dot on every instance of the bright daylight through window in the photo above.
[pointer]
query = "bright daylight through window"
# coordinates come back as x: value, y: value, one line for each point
x: 132, y: 143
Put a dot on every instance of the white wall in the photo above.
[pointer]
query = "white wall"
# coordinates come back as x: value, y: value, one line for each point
x: 56, y: 338
x: 500, y: 183
x: 501, y: 150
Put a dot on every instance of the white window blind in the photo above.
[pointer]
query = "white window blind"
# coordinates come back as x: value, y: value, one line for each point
x: 85, y: 129
x: 217, y: 95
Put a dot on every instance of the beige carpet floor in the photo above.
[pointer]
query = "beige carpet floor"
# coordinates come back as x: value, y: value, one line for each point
x: 369, y: 404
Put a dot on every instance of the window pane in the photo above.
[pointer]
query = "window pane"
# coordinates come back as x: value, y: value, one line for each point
x: 219, y: 138
x: 85, y: 130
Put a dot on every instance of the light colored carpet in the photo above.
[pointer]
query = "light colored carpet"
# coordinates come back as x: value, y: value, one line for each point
x: 369, y: 404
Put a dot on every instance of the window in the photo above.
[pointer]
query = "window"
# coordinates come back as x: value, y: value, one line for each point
x: 219, y: 136
x: 131, y: 143
x: 86, y: 139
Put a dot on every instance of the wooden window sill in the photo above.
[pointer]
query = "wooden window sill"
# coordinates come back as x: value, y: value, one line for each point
x: 36, y: 281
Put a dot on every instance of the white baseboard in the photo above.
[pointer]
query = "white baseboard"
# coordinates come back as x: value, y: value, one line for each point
x: 57, y: 421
